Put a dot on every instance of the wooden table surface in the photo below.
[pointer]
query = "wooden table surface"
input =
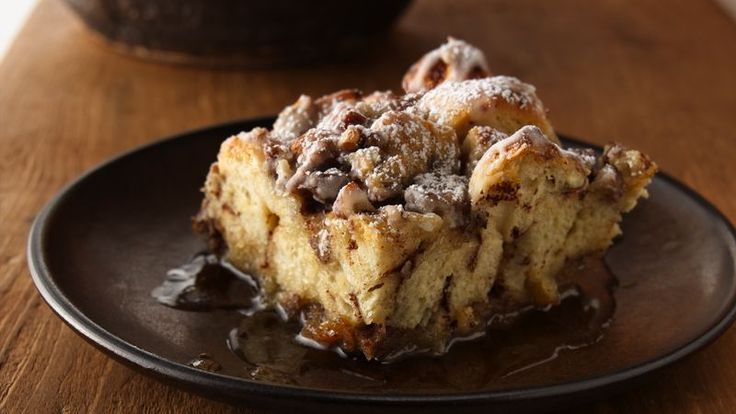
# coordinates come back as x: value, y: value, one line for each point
x: 660, y: 76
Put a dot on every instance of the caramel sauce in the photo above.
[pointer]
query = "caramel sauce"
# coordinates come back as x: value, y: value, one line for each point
x: 206, y: 283
x: 270, y: 348
x: 205, y: 363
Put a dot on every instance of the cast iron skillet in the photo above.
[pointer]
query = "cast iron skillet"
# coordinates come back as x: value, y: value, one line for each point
x: 100, y: 246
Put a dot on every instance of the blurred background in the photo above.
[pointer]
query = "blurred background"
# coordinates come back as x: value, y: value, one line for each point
x: 230, y: 32
x: 12, y: 16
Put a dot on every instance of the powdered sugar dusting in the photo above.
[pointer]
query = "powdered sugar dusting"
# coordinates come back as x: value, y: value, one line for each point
x: 443, y: 194
x: 477, y: 142
x: 464, y: 55
x: 295, y: 120
x: 450, y: 186
x: 394, y: 149
x: 453, y: 61
x: 408, y: 145
x: 451, y: 99
x: 528, y: 136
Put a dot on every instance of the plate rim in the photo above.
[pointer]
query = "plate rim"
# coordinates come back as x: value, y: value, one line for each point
x: 185, y: 375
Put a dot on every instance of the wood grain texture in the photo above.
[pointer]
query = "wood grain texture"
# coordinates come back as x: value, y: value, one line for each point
x: 656, y: 75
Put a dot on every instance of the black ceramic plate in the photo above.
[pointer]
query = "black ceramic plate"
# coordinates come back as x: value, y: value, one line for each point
x: 98, y: 249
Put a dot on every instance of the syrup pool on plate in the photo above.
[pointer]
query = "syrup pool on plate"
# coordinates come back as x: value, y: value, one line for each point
x: 269, y: 349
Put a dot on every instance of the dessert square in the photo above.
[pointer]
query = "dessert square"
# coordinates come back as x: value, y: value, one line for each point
x: 393, y: 223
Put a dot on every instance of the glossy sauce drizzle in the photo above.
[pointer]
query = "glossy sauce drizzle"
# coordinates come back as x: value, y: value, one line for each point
x: 269, y: 349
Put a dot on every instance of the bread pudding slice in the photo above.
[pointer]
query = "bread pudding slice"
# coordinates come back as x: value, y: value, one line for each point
x: 391, y: 222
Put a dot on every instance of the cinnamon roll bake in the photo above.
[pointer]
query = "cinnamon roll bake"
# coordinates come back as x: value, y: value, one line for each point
x: 394, y: 222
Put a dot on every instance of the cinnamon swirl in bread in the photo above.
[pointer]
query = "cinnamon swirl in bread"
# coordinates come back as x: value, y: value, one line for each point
x: 386, y: 220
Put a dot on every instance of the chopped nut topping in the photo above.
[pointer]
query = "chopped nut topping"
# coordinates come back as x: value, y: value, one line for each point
x: 324, y: 185
x: 360, y: 153
x: 477, y: 142
x: 445, y: 195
